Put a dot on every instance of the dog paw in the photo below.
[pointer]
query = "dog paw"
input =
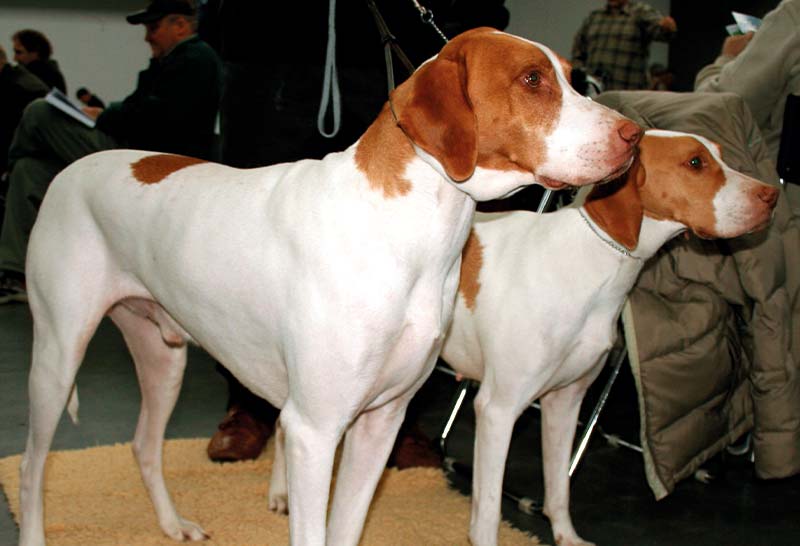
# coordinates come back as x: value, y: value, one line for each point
x: 703, y: 476
x: 572, y: 541
x: 279, y: 504
x: 185, y: 531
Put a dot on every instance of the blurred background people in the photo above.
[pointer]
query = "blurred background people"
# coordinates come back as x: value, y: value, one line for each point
x: 613, y: 43
x: 88, y: 98
x: 18, y: 87
x: 32, y: 49
x: 173, y: 109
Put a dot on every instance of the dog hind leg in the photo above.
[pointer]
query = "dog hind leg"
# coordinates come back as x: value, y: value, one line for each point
x: 278, y: 487
x: 160, y: 368
x: 58, y: 349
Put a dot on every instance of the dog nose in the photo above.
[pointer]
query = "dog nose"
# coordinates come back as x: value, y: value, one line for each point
x: 768, y: 195
x: 629, y: 132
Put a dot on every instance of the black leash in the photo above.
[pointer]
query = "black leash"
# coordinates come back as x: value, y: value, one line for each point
x: 390, y: 44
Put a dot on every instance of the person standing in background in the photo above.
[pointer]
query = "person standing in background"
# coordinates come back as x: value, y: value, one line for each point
x: 613, y: 43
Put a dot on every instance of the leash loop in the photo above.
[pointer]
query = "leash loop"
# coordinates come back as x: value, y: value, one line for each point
x: 330, y: 84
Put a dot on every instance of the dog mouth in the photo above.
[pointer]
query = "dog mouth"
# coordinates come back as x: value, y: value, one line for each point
x: 552, y: 183
x: 622, y: 169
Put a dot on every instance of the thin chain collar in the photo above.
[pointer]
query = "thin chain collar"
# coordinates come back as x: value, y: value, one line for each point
x: 610, y: 242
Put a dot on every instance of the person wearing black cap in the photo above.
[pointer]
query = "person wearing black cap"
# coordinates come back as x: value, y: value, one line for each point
x: 173, y: 109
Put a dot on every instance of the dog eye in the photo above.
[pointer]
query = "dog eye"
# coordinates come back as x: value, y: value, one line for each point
x: 533, y: 79
x: 696, y: 163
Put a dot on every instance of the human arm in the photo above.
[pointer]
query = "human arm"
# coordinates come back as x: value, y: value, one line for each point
x: 766, y: 70
x: 655, y: 26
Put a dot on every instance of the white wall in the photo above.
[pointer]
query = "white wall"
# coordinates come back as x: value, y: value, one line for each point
x: 95, y: 48
x: 555, y: 22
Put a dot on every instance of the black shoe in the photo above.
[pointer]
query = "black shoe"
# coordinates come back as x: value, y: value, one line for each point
x: 12, y: 289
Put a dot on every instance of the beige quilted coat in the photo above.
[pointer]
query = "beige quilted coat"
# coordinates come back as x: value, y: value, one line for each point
x: 713, y: 327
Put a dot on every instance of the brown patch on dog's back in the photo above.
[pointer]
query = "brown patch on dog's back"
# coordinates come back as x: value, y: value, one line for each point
x: 471, y: 263
x: 152, y: 169
x: 382, y: 154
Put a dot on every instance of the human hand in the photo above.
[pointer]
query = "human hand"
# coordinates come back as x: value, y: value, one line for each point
x: 92, y: 111
x: 668, y: 24
x: 733, y: 45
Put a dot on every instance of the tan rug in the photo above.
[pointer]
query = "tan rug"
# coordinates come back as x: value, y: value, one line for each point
x: 95, y: 497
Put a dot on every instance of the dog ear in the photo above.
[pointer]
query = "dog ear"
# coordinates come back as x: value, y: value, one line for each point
x: 617, y: 208
x: 439, y: 118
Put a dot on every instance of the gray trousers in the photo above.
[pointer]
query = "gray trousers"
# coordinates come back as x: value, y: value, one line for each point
x: 46, y: 141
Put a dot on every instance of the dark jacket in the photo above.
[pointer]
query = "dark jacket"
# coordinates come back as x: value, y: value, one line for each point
x: 174, y: 106
x: 18, y: 87
x: 48, y: 72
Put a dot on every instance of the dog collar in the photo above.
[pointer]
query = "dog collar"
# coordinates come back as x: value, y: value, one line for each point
x: 610, y: 242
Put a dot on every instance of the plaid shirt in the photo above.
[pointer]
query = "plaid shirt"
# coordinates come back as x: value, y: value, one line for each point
x: 614, y: 44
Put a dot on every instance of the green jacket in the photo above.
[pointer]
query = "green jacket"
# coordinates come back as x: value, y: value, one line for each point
x: 174, y: 106
x: 764, y: 73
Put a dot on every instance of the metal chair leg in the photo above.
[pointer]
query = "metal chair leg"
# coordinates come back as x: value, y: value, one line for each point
x: 455, y: 407
x: 616, y: 364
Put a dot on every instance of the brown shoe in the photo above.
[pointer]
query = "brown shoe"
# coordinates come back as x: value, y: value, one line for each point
x: 239, y: 437
x: 415, y: 449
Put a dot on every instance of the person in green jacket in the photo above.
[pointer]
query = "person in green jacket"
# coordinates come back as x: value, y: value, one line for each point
x: 173, y: 109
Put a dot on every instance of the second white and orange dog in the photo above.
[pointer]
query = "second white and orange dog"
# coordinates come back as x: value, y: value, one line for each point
x: 540, y: 296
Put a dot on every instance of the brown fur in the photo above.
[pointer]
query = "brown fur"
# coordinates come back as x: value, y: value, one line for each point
x: 674, y: 202
x: 438, y: 116
x: 152, y: 169
x: 382, y: 153
x: 471, y: 263
x: 617, y: 208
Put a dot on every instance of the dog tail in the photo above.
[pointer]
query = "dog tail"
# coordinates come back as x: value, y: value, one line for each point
x: 72, y: 405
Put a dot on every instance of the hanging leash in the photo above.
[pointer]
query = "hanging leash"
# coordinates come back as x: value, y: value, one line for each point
x: 331, y: 96
x: 330, y: 84
x: 390, y: 45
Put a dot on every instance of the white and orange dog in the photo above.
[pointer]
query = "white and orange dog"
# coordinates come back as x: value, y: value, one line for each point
x: 325, y: 286
x: 540, y: 296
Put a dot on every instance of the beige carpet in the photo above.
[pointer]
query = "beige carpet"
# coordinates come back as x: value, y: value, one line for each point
x: 95, y: 497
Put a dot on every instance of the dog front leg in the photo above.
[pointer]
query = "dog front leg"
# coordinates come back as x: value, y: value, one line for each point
x: 310, y: 445
x: 367, y: 446
x: 559, y: 418
x: 494, y: 426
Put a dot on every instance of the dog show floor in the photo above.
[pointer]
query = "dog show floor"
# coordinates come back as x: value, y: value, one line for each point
x: 611, y: 502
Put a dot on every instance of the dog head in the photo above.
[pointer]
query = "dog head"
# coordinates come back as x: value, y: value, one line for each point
x: 681, y: 178
x: 494, y: 112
